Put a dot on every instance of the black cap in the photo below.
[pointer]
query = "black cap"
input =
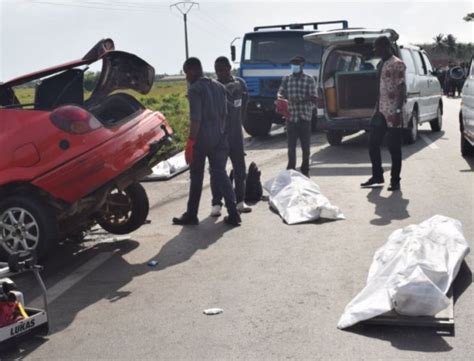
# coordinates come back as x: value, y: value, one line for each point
x: 297, y: 59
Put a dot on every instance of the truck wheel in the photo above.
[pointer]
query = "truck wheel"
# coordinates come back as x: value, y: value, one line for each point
x: 334, y: 137
x: 257, y: 126
x: 411, y: 134
x: 467, y: 150
x: 125, y: 211
x: 27, y: 223
x: 437, y: 124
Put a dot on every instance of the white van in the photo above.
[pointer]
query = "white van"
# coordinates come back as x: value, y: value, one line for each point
x: 466, y: 115
x: 349, y: 85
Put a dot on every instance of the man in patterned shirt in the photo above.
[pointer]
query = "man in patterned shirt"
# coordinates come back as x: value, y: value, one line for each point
x: 300, y: 91
x: 388, y: 118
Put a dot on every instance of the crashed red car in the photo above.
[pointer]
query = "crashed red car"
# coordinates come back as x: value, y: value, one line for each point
x: 68, y: 163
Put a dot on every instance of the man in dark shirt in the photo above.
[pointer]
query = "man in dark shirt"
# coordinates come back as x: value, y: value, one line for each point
x: 237, y: 106
x: 207, y: 139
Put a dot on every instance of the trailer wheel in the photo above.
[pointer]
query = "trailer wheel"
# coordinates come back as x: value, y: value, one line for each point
x: 125, y: 211
x: 27, y: 223
x: 334, y: 137
x: 257, y: 126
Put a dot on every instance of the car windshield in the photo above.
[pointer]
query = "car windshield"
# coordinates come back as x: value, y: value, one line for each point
x: 279, y: 48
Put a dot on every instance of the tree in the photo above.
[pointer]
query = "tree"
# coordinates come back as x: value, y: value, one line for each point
x: 450, y: 42
x: 438, y: 42
x: 469, y: 17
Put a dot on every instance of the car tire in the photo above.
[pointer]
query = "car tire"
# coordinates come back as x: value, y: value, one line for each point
x: 437, y: 124
x: 257, y: 126
x: 411, y: 134
x: 334, y: 137
x: 467, y: 150
x: 35, y: 221
x: 125, y: 211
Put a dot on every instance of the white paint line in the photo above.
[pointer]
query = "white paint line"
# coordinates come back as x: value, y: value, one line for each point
x: 428, y: 141
x: 68, y: 282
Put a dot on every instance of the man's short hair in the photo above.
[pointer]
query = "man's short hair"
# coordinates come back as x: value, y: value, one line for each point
x: 383, y: 42
x: 192, y: 63
x: 297, y: 59
x: 223, y: 61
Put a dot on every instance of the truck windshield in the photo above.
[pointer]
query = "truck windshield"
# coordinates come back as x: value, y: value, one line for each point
x: 275, y: 48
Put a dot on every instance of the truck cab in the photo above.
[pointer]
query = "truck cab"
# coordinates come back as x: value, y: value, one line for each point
x: 265, y: 60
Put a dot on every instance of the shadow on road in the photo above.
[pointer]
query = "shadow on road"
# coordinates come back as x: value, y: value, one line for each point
x: 393, y: 207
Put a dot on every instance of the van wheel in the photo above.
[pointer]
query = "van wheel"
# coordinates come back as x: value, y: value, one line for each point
x: 27, y: 224
x: 467, y: 150
x: 411, y: 134
x: 125, y: 211
x: 437, y: 124
x: 334, y: 137
x: 257, y: 126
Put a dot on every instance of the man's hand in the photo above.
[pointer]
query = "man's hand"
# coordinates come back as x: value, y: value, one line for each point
x: 188, y: 151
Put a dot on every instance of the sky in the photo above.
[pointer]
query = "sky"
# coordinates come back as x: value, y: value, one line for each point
x: 36, y: 34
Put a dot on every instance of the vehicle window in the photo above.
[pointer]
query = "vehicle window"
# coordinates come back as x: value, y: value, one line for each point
x: 429, y: 67
x: 248, y: 50
x: 408, y: 60
x: 420, y: 67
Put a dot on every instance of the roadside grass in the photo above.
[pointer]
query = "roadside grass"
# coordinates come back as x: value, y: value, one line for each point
x: 167, y: 97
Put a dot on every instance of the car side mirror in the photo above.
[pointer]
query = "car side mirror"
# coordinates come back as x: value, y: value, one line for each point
x: 435, y: 72
x: 232, y: 52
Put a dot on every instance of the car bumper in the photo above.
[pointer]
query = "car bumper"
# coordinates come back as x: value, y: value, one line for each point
x: 349, y: 125
x: 142, y: 144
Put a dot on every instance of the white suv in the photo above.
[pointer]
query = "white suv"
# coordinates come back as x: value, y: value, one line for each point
x: 466, y: 115
x: 349, y: 84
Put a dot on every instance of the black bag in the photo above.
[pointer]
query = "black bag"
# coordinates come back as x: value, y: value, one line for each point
x: 253, y: 185
x: 378, y: 120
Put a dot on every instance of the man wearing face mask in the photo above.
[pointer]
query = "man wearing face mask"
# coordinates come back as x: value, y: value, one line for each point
x: 300, y: 91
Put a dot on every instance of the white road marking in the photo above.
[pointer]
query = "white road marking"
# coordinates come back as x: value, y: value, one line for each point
x: 68, y: 282
x: 428, y: 141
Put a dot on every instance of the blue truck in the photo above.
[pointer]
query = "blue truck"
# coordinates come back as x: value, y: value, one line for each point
x: 264, y: 61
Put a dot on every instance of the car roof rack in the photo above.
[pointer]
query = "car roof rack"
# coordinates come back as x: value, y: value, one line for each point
x: 301, y: 26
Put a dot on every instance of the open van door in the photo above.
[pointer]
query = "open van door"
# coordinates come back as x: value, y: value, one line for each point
x: 350, y: 36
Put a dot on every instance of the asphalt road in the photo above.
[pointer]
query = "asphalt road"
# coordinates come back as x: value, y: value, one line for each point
x: 282, y: 288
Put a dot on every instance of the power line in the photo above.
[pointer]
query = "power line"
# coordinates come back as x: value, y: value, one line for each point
x: 184, y: 7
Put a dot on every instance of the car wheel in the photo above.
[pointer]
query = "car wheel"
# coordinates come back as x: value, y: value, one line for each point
x: 125, y: 211
x: 467, y: 150
x: 334, y: 137
x: 27, y: 224
x: 257, y: 126
x: 437, y: 123
x: 411, y: 134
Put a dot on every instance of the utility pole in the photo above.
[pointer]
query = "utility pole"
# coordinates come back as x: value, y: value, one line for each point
x: 184, y: 7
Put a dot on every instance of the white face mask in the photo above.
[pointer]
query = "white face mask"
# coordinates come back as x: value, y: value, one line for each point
x: 295, y: 68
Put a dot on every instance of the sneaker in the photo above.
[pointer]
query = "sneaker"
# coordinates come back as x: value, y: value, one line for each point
x: 185, y: 220
x: 372, y: 182
x: 233, y: 220
x: 243, y: 208
x: 216, y: 211
x: 394, y: 187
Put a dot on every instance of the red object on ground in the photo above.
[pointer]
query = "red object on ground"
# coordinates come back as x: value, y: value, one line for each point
x: 282, y: 108
x: 188, y: 152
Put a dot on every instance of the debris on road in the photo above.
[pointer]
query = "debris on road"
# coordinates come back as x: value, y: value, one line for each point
x: 169, y: 168
x: 297, y: 199
x: 412, y: 273
x: 213, y: 311
x: 153, y: 263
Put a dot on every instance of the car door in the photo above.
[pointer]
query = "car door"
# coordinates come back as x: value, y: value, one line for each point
x: 434, y: 88
x: 421, y: 90
x: 468, y: 103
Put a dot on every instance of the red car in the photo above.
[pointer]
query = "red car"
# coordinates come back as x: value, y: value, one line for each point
x: 68, y: 163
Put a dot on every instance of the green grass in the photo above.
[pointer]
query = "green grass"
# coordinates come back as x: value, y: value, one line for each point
x: 167, y: 97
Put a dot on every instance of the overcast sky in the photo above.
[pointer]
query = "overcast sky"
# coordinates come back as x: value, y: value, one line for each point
x: 39, y: 33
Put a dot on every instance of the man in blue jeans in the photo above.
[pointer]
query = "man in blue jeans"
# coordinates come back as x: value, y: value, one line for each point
x: 207, y: 139
x: 237, y: 106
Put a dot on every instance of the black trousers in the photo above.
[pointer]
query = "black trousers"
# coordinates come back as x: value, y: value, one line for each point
x: 394, y: 143
x: 217, y: 156
x: 299, y: 130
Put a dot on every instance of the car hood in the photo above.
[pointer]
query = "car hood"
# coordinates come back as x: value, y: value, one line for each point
x: 349, y: 36
x: 123, y: 71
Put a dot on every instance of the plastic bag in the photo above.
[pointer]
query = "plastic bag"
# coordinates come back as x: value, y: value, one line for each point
x: 412, y: 272
x: 297, y: 199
